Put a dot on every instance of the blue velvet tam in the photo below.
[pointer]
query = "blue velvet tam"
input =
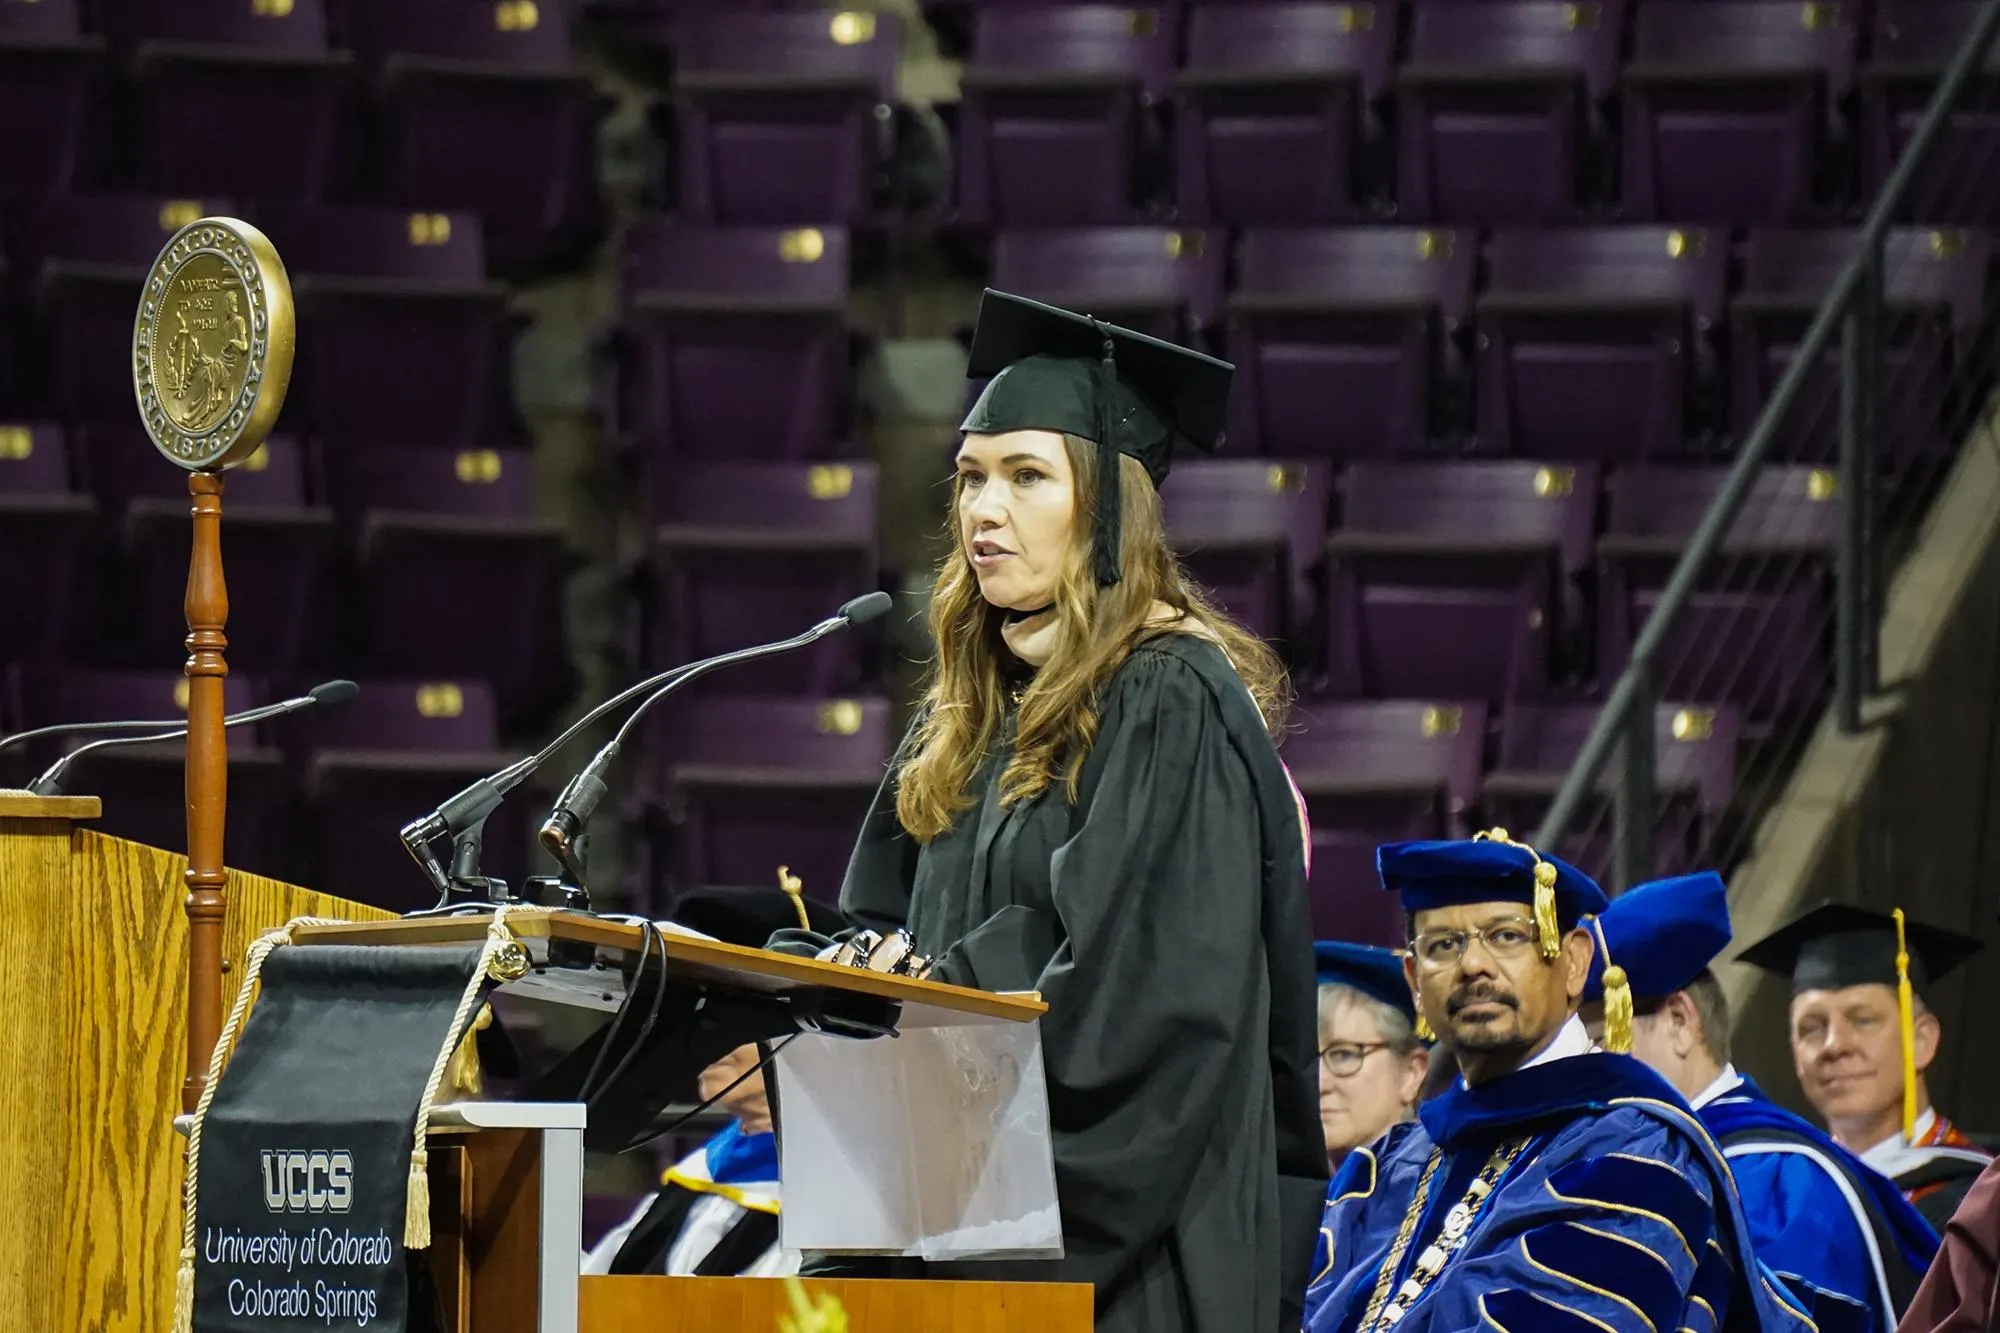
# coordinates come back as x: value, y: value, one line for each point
x: 1487, y: 869
x: 1663, y: 934
x: 1375, y: 972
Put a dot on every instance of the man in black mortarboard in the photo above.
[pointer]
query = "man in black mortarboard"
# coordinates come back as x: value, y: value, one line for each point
x: 1862, y: 1036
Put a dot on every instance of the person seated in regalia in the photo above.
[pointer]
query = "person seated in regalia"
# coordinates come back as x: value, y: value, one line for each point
x: 1371, y: 1061
x: 1816, y: 1211
x: 1557, y: 1186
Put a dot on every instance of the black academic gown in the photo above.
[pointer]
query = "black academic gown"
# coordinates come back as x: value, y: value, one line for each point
x: 1163, y: 918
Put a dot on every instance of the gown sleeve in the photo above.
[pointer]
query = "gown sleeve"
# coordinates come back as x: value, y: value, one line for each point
x: 876, y: 893
x: 1157, y: 977
x: 1802, y: 1225
x: 1958, y: 1295
x: 1624, y: 1239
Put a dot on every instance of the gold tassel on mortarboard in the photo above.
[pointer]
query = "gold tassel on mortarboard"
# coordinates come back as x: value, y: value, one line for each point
x: 1617, y: 998
x: 1906, y: 1028
x: 794, y: 887
x: 1546, y: 923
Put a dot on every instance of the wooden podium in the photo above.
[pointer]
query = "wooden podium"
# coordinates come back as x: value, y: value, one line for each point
x: 504, y: 1212
x: 95, y: 990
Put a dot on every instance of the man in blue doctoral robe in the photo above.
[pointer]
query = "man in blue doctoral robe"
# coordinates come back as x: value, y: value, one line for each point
x: 1557, y: 1187
x: 1816, y: 1211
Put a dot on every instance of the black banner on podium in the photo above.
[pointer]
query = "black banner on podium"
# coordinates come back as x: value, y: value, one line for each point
x: 305, y: 1150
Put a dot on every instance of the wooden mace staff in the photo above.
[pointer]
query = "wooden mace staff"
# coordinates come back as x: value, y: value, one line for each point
x: 211, y: 359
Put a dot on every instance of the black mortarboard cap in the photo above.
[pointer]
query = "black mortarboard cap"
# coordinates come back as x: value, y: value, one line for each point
x: 1833, y: 945
x: 1132, y: 394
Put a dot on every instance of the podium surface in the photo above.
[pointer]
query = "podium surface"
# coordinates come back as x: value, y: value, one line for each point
x: 711, y: 1304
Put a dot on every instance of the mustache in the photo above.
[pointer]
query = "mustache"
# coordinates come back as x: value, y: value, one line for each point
x: 1471, y: 995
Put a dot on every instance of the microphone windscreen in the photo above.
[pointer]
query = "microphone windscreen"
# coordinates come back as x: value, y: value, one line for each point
x: 333, y: 692
x: 866, y: 607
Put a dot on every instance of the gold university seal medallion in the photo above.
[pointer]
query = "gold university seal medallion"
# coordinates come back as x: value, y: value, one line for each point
x: 212, y: 347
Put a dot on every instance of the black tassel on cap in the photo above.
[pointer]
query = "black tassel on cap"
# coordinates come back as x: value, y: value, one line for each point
x: 1110, y: 513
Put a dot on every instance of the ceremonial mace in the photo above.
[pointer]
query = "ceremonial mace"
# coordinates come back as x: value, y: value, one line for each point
x: 211, y: 358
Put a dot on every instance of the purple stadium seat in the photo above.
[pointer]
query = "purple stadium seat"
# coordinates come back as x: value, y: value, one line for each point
x: 1590, y: 341
x: 747, y: 553
x: 785, y: 118
x: 1158, y: 280
x: 1753, y: 634
x: 397, y: 302
x: 748, y: 784
x: 1694, y: 769
x: 1373, y: 773
x: 455, y: 578
x: 500, y: 75
x: 1365, y: 318
x: 1274, y: 107
x: 47, y: 528
x: 48, y: 74
x: 144, y: 787
x: 281, y: 550
x: 733, y: 342
x: 1911, y: 42
x: 1729, y: 105
x: 1495, y: 108
x: 397, y: 748
x: 1934, y: 284
x: 232, y: 97
x: 82, y: 259
x: 1251, y: 530
x: 1057, y: 126
x: 1453, y: 580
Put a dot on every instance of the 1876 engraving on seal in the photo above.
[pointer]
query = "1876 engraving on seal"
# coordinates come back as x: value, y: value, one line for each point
x: 212, y: 346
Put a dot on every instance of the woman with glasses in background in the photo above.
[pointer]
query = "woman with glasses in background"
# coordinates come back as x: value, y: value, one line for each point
x: 1371, y: 1062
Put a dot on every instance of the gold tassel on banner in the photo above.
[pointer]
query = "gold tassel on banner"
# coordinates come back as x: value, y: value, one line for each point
x: 1906, y: 1027
x: 1617, y: 998
x: 503, y: 959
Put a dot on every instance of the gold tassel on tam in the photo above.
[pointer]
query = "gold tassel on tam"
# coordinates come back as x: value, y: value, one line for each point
x: 1906, y: 1022
x: 1617, y: 998
x: 1547, y: 924
x: 1424, y: 1030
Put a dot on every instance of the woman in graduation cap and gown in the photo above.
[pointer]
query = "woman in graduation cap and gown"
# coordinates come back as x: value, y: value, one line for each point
x: 1090, y: 805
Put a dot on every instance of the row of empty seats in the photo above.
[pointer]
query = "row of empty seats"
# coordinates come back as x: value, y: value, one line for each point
x: 1489, y: 112
x: 402, y: 337
x: 298, y: 100
x: 384, y: 562
x: 1616, y: 344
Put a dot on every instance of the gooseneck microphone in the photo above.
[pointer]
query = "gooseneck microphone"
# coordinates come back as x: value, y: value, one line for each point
x: 579, y: 799
x: 323, y: 695
x: 459, y: 821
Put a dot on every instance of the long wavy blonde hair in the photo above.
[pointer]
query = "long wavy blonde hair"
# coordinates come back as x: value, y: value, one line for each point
x: 965, y: 699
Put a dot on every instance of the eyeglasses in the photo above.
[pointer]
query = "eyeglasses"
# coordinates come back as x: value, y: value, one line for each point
x: 1343, y: 1059
x: 1436, y: 950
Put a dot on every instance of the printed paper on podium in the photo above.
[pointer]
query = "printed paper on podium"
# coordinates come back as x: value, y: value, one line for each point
x: 934, y: 1144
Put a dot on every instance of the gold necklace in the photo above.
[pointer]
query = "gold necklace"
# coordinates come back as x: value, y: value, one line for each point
x: 1457, y: 1225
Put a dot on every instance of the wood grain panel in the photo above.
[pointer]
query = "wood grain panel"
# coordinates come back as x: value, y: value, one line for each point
x: 26, y: 805
x: 91, y: 1052
x: 752, y: 1305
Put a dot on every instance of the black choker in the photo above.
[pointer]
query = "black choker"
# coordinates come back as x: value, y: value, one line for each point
x: 1015, y: 617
